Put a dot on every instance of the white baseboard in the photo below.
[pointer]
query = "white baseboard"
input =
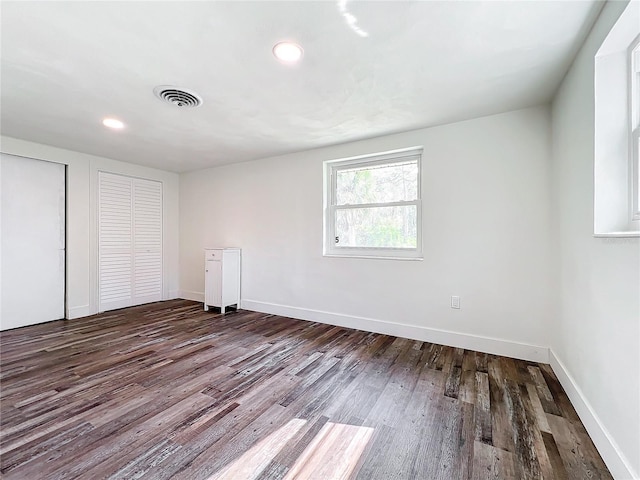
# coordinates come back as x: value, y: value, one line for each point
x: 173, y: 295
x: 494, y: 346
x: 189, y: 295
x: 79, y: 312
x: 607, y: 447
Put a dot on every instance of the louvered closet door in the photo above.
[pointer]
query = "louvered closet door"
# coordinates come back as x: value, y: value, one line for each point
x: 147, y: 241
x: 115, y: 236
x: 129, y: 241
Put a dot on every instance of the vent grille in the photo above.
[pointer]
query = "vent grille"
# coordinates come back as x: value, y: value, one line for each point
x: 178, y: 97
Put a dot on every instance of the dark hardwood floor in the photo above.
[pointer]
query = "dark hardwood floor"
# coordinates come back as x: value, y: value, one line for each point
x: 168, y: 391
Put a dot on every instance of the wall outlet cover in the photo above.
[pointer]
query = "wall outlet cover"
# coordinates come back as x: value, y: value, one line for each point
x: 455, y: 301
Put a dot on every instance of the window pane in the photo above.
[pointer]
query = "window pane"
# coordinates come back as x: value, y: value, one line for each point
x: 636, y: 160
x: 393, y: 182
x: 391, y: 227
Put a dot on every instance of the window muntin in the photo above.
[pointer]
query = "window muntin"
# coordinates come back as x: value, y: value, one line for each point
x: 373, y: 205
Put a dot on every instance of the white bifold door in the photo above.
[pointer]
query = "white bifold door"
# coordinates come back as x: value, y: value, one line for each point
x: 33, y: 241
x: 129, y: 241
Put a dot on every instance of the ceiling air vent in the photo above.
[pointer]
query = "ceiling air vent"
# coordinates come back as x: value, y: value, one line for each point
x: 179, y: 97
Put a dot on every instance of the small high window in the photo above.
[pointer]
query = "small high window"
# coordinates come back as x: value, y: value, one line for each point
x: 373, y: 205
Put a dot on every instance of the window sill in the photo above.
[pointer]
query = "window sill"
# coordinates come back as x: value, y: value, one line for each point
x: 372, y: 257
x: 617, y: 234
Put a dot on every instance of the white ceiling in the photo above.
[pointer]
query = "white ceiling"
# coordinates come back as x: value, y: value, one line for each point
x: 66, y: 65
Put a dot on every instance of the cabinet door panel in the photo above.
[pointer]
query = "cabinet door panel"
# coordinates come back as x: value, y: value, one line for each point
x: 213, y: 282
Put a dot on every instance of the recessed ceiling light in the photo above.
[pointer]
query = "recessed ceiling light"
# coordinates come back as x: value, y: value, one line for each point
x: 287, y: 52
x: 113, y: 123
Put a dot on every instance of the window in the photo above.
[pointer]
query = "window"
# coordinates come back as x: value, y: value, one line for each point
x: 373, y: 205
x: 634, y: 117
x: 617, y: 128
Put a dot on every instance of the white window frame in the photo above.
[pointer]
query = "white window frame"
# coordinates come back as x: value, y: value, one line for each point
x: 615, y: 168
x: 331, y: 167
x: 634, y: 127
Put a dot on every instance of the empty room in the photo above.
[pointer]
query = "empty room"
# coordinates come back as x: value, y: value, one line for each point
x: 325, y: 240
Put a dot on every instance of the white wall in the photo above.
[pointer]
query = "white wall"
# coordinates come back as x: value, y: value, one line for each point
x: 597, y: 340
x: 82, y: 174
x: 486, y: 237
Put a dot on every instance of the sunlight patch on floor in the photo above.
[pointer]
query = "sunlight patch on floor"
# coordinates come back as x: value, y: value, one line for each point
x: 333, y: 453
x: 256, y: 459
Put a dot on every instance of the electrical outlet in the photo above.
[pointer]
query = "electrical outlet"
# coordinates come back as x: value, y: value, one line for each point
x: 455, y: 301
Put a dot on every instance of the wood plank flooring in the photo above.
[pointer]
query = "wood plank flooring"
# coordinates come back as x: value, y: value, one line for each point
x: 168, y: 391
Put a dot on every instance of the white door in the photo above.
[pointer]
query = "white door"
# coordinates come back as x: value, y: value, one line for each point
x: 147, y: 241
x: 129, y: 241
x: 115, y: 234
x: 33, y: 241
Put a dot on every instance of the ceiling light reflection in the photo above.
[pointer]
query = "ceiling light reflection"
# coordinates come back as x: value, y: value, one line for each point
x: 351, y: 19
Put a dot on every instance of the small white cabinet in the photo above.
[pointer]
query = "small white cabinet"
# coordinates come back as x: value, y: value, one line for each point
x: 221, y: 278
